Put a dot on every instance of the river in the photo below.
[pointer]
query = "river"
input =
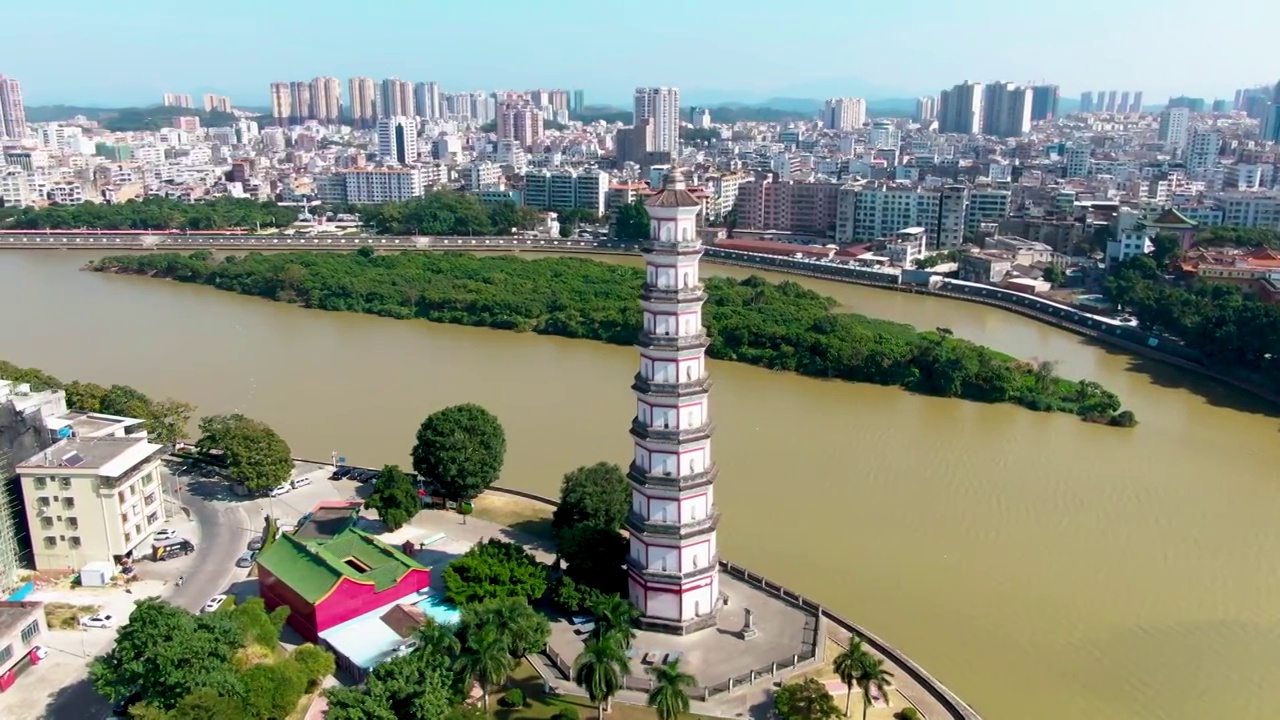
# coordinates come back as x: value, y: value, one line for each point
x: 1041, y: 566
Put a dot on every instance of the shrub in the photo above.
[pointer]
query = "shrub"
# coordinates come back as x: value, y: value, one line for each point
x: 566, y: 713
x: 315, y: 663
x: 492, y: 570
x: 908, y: 713
x: 514, y: 698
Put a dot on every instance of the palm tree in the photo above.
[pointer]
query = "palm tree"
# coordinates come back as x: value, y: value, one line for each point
x: 438, y: 639
x: 847, y: 665
x: 614, y: 617
x: 669, y: 697
x: 599, y: 670
x: 872, y: 675
x: 486, y: 659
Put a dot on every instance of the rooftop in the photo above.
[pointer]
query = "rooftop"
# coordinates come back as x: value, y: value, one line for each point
x: 313, y: 567
x: 109, y: 456
x: 85, y: 424
x: 328, y: 520
x: 15, y: 615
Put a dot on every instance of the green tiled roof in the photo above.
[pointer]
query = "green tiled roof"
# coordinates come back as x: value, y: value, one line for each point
x: 312, y: 569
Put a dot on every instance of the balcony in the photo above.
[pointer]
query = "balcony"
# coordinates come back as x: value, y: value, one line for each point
x: 691, y: 294
x: 674, y: 575
x: 680, y: 247
x: 656, y: 479
x: 659, y: 387
x: 674, y: 342
x: 670, y: 434
x: 666, y: 528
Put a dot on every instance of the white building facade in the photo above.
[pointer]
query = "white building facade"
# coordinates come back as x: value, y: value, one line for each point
x: 672, y: 560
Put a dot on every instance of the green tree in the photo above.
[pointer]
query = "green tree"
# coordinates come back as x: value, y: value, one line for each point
x: 438, y: 639
x: 485, y: 657
x: 599, y: 670
x: 394, y: 497
x: 460, y: 449
x: 669, y: 697
x: 272, y: 690
x: 492, y: 570
x: 566, y: 230
x: 598, y: 495
x: 631, y: 222
x: 417, y: 686
x: 255, y: 454
x: 847, y: 666
x: 615, y: 619
x: 595, y: 557
x: 165, y: 653
x: 314, y: 662
x: 522, y: 629
x: 1166, y: 248
x: 807, y: 700
x: 872, y: 677
x: 206, y: 704
x: 1054, y: 274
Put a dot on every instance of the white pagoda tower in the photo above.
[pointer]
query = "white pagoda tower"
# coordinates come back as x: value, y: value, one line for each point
x: 672, y: 572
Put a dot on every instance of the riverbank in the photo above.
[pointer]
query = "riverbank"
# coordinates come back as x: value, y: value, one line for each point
x: 777, y: 326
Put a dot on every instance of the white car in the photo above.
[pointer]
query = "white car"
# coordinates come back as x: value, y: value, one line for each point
x: 164, y: 534
x: 405, y: 648
x: 301, y: 482
x: 103, y: 621
x: 214, y: 603
x: 41, y: 652
x: 279, y: 490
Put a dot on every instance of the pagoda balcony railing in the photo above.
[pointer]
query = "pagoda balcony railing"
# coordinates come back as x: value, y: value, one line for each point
x: 658, y: 479
x: 697, y: 339
x: 702, y: 570
x: 660, y: 387
x: 671, y: 433
x: 695, y: 293
x: 669, y: 528
x: 682, y: 246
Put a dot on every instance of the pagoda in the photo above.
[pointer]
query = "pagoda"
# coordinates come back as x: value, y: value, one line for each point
x: 672, y: 560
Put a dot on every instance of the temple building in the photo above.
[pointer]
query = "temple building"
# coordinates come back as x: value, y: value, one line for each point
x: 672, y: 570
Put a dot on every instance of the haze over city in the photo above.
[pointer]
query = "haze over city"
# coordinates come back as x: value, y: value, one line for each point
x: 716, y: 51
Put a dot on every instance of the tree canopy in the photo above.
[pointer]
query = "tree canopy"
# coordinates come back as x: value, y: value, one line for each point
x: 256, y: 456
x: 807, y: 700
x: 521, y: 629
x: 460, y: 450
x: 597, y: 495
x: 395, y: 497
x: 493, y: 570
x: 445, y: 212
x: 1232, y: 331
x: 781, y: 326
x: 416, y: 686
x: 167, y: 419
x: 631, y: 222
x: 159, y: 214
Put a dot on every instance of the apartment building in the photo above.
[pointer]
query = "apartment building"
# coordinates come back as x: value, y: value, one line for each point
x: 1250, y: 210
x: 880, y: 211
x: 397, y: 139
x: 375, y: 185
x: 953, y: 208
x: 520, y: 122
x: 566, y: 189
x: 91, y: 499
x: 787, y: 206
x: 662, y: 105
x: 987, y: 207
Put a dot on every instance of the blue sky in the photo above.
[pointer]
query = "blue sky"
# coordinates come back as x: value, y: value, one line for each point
x: 129, y: 52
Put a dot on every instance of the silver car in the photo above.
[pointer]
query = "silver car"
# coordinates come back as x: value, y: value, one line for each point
x: 247, y: 559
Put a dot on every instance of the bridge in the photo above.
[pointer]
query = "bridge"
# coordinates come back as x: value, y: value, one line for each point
x: 118, y: 241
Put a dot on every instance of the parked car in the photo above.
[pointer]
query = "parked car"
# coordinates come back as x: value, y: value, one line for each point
x: 405, y: 648
x: 279, y: 490
x: 41, y: 652
x: 172, y: 548
x: 214, y: 603
x: 256, y: 543
x: 301, y: 482
x: 247, y: 559
x: 164, y: 534
x: 103, y: 621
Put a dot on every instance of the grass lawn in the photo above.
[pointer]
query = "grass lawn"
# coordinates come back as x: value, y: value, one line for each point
x: 540, y: 707
x: 65, y: 616
x: 519, y: 514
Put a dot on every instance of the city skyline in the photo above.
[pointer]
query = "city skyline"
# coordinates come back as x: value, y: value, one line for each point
x: 815, y: 64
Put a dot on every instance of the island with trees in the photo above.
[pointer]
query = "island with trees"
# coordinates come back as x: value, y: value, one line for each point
x: 781, y: 326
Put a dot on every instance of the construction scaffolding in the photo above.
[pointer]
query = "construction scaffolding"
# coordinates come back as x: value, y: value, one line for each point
x: 22, y: 435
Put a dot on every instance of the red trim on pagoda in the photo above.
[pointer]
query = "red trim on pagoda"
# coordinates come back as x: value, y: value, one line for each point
x: 679, y: 501
x: 676, y: 589
x: 676, y: 407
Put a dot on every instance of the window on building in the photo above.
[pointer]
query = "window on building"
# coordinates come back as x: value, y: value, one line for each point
x: 42, y: 502
x: 74, y: 540
x: 120, y: 497
x: 30, y: 632
x: 5, y: 654
x: 40, y: 483
x: 65, y: 483
x: 73, y: 523
x: 68, y: 503
x: 46, y: 523
x: 50, y: 541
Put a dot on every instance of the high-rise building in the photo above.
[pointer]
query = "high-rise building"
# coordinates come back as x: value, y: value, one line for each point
x: 1174, y: 125
x: 577, y: 101
x: 662, y: 105
x: 281, y: 103
x: 300, y: 99
x: 960, y: 109
x: 519, y: 121
x: 672, y: 574
x: 1123, y: 105
x: 363, y: 102
x: 926, y: 109
x: 177, y: 100
x: 1044, y: 102
x: 13, y: 113
x: 326, y: 99
x: 1111, y: 101
x: 844, y: 113
x: 1221, y: 105
x: 1202, y: 149
x: 396, y: 99
x: 398, y: 140
x: 1006, y: 109
x: 426, y: 96
x: 1136, y: 105
x: 216, y: 103
x: 1086, y: 102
